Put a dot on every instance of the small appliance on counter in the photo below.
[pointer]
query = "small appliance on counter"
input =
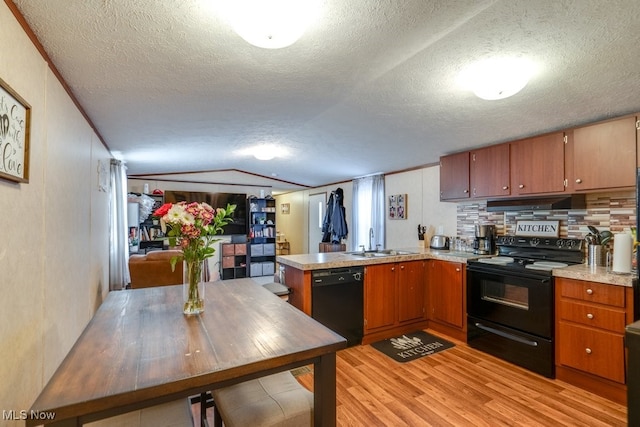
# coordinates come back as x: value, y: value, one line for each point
x: 485, y: 239
x: 439, y: 242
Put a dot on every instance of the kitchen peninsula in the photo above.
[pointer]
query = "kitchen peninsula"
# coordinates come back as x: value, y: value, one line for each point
x: 396, y: 296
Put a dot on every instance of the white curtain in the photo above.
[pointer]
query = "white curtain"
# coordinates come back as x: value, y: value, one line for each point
x: 368, y: 213
x: 119, y: 236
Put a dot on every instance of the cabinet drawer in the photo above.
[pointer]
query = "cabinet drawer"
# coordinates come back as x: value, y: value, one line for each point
x: 597, y: 352
x: 597, y: 317
x: 227, y: 249
x: 593, y: 292
x: 240, y: 248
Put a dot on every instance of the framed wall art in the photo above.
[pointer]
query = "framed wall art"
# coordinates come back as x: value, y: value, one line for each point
x: 15, y: 122
x: 398, y: 206
x: 285, y: 208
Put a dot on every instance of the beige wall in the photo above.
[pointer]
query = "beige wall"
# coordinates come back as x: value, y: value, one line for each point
x: 54, y: 256
x: 422, y: 187
x: 424, y: 207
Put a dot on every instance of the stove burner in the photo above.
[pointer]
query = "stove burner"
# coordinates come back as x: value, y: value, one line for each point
x: 546, y: 265
x: 497, y: 260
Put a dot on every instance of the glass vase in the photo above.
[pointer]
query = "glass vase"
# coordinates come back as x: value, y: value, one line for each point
x: 193, y: 286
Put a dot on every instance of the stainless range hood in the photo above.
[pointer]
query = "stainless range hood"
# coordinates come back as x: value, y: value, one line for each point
x: 546, y: 203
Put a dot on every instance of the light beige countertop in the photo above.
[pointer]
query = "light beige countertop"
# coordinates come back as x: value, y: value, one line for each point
x: 325, y: 260
x: 344, y: 259
x: 594, y: 274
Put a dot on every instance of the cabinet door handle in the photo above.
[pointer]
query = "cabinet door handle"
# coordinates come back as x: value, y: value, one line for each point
x: 506, y: 187
x: 402, y: 267
x: 588, y: 350
x: 393, y: 269
x: 578, y: 181
x: 465, y: 191
x: 589, y: 291
x: 457, y: 269
x: 521, y: 186
x: 589, y: 316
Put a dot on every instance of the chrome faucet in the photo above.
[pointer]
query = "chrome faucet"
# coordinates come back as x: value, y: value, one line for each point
x: 371, y: 239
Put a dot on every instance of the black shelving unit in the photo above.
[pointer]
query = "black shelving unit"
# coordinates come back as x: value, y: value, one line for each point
x: 233, y: 260
x: 262, y: 236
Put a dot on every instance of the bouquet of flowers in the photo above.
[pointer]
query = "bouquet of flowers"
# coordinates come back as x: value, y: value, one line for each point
x: 192, y: 227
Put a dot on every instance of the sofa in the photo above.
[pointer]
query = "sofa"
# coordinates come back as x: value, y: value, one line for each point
x: 154, y: 269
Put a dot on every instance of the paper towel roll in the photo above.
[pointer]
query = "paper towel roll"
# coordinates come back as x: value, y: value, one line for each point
x: 622, y: 248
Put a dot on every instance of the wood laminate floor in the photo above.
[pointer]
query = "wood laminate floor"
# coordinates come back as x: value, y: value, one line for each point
x: 458, y: 387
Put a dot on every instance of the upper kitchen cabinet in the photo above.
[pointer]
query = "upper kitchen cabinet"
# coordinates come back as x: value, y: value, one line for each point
x: 537, y: 165
x: 604, y: 155
x: 454, y: 176
x: 489, y: 171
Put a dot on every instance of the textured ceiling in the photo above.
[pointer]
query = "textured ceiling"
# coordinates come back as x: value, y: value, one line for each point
x: 370, y: 87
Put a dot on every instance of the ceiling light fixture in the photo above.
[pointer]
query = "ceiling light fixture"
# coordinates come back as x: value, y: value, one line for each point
x: 264, y: 153
x: 270, y: 24
x: 497, y: 78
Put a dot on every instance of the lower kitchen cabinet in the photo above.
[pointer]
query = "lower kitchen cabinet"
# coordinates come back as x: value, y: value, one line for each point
x: 590, y: 322
x: 394, y: 299
x: 446, y: 307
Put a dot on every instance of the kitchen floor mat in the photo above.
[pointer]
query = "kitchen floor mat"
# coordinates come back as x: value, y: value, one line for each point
x: 411, y: 346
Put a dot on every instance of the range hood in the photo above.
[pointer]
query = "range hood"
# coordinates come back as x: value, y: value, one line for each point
x: 546, y: 203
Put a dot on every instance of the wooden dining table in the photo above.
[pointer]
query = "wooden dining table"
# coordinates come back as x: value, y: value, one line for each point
x: 140, y: 350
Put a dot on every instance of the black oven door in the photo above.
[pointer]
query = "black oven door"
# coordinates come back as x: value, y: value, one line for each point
x: 518, y: 301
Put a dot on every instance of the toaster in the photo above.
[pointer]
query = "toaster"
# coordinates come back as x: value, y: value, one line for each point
x: 439, y: 242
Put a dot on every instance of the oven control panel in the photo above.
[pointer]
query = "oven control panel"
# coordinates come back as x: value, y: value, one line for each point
x: 540, y: 242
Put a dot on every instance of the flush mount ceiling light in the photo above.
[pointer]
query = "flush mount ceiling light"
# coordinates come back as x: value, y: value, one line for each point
x: 264, y: 151
x: 270, y: 24
x: 497, y: 78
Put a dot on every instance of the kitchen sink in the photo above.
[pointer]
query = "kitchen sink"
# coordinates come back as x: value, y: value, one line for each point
x: 380, y: 253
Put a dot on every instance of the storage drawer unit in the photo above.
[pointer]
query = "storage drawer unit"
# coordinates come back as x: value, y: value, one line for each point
x: 268, y: 268
x: 269, y: 249
x: 590, y: 325
x: 233, y: 263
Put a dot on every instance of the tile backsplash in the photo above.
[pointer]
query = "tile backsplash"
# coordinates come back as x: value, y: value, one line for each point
x: 612, y: 211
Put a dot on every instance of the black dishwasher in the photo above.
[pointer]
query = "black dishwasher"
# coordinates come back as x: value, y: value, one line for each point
x: 337, y: 301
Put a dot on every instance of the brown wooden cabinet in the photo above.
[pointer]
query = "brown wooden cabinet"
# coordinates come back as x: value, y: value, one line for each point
x: 411, y: 291
x: 446, y: 302
x: 489, y: 171
x: 394, y: 299
x: 454, y: 176
x: 590, y: 322
x: 537, y: 165
x: 604, y: 155
x: 600, y: 156
x: 379, y: 297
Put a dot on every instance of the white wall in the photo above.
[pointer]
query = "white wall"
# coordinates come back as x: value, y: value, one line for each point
x: 54, y: 252
x: 422, y: 187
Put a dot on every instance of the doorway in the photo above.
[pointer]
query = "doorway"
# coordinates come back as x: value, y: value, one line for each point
x: 317, y: 207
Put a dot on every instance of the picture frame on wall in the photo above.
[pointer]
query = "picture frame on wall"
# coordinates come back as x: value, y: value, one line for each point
x: 284, y: 208
x: 15, y: 124
x: 398, y: 206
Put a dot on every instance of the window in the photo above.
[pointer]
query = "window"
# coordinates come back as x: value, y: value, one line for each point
x: 368, y: 213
